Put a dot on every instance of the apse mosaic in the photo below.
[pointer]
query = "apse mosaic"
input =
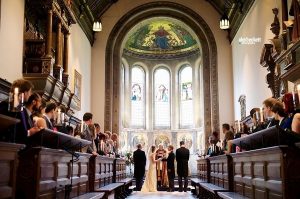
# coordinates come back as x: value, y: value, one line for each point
x: 188, y: 140
x: 161, y: 35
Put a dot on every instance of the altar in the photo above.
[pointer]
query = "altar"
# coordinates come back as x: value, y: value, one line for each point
x: 194, y: 141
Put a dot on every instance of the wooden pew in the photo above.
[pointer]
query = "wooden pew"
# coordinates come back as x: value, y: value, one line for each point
x: 101, y: 176
x: 203, y: 170
x: 8, y: 168
x: 221, y: 178
x: 266, y: 173
x: 46, y: 173
x: 120, y: 177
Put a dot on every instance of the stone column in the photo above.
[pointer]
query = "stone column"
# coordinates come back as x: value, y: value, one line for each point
x: 49, y: 34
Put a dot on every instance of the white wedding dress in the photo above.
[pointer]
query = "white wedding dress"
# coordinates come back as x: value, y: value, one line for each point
x: 150, y: 184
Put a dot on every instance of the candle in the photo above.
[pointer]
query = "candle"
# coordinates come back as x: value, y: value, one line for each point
x: 63, y: 117
x: 22, y: 101
x: 81, y: 130
x: 261, y: 115
x: 293, y: 94
x: 239, y: 126
x: 58, y: 116
x: 16, y: 97
x: 298, y: 89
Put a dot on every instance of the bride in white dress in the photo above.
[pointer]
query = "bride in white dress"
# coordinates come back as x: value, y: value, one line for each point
x: 150, y: 184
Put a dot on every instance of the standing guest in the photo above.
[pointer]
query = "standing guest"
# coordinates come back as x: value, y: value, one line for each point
x: 69, y: 130
x: 87, y: 134
x: 213, y: 149
x: 279, y: 115
x: 97, y: 138
x: 296, y: 123
x: 38, y: 116
x: 228, y: 136
x: 139, y: 160
x: 182, y: 158
x: 32, y: 105
x: 49, y: 115
x: 23, y: 128
x: 171, y: 168
x: 268, y: 113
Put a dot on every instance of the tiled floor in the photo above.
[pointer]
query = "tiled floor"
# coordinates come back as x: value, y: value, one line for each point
x: 161, y: 194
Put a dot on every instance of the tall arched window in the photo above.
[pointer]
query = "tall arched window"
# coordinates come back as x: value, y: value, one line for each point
x: 137, y: 97
x: 186, y: 96
x: 162, y: 104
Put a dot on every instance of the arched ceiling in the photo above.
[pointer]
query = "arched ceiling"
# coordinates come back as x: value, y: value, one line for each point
x: 87, y: 11
x: 161, y: 35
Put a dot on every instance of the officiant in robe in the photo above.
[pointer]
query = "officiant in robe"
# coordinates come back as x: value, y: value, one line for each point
x: 161, y: 167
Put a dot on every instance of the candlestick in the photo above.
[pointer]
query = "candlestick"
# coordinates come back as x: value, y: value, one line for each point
x: 239, y: 126
x: 63, y: 117
x: 261, y: 115
x: 257, y: 116
x: 16, y: 97
x: 22, y: 101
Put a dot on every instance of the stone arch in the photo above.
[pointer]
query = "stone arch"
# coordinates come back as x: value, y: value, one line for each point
x: 209, y: 56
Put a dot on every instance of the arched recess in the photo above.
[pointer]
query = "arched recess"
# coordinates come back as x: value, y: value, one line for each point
x: 209, y: 52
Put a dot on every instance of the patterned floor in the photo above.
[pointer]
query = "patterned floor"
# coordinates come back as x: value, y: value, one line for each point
x: 161, y: 194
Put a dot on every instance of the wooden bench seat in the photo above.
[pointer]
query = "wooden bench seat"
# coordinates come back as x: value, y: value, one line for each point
x: 111, y: 190
x: 91, y: 195
x: 212, y: 188
x: 126, y: 181
x: 196, y: 181
x: 231, y: 195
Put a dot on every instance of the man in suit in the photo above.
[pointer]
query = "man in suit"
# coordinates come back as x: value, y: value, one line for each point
x: 87, y: 134
x: 171, y: 168
x: 182, y: 158
x: 49, y: 115
x: 139, y: 160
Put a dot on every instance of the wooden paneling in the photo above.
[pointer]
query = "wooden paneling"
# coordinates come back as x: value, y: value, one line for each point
x: 203, y: 168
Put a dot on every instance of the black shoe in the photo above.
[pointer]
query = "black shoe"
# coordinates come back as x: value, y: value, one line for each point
x: 180, y: 190
x: 168, y: 190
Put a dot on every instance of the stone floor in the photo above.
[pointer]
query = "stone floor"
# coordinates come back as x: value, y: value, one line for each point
x: 161, y: 194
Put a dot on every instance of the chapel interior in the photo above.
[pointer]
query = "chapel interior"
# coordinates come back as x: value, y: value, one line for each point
x: 151, y: 72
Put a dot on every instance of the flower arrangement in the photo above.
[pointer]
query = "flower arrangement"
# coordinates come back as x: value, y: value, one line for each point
x: 128, y: 158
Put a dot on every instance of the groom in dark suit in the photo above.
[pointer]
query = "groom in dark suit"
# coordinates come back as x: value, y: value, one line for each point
x: 139, y: 160
x: 171, y: 168
x: 182, y: 158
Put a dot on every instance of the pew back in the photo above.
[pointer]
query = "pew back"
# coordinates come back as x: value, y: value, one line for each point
x: 8, y: 168
x: 267, y: 173
x: 203, y: 168
x: 221, y: 171
x: 44, y: 173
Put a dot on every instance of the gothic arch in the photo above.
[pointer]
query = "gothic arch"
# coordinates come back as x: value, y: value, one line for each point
x: 209, y: 56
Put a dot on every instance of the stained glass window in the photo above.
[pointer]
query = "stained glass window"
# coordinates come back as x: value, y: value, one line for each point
x: 162, y: 98
x: 137, y: 97
x: 186, y: 99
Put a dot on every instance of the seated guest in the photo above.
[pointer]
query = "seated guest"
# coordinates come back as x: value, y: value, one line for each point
x: 115, y: 139
x: 279, y: 115
x: 213, y: 149
x: 49, y: 115
x: 268, y: 113
x: 228, y: 136
x: 296, y: 123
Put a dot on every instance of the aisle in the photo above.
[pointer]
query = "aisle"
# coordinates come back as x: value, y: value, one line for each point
x: 161, y: 194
